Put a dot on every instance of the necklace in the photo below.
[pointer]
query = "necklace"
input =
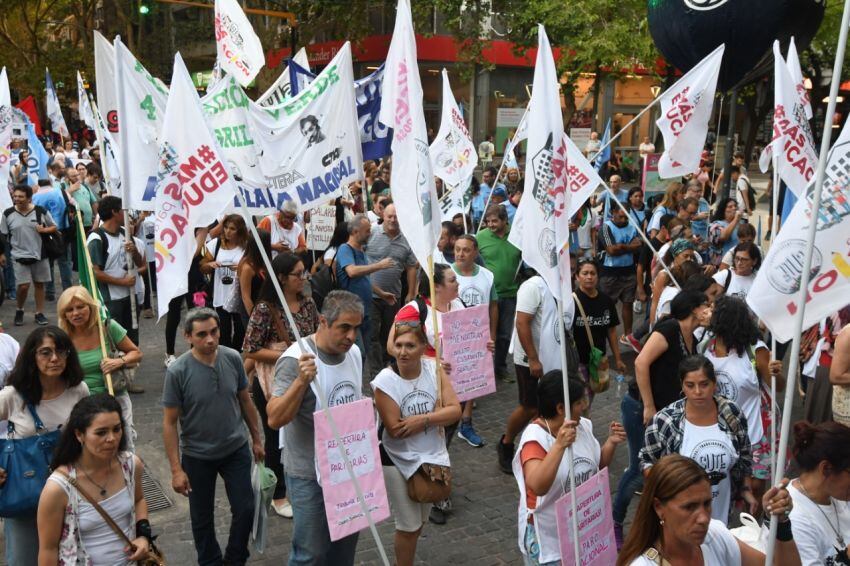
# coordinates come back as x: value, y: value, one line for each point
x: 101, y: 487
x: 835, y: 530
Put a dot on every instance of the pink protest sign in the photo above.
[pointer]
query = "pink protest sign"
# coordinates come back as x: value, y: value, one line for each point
x: 356, y: 426
x: 465, y: 334
x: 595, y: 527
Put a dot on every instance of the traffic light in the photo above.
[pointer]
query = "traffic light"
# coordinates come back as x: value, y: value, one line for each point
x: 144, y: 9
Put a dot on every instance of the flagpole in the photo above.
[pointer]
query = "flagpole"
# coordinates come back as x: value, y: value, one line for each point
x: 87, y: 258
x: 435, y: 321
x: 319, y: 391
x: 632, y: 121
x: 493, y: 188
x: 805, y: 276
x: 716, y: 133
x: 774, y: 229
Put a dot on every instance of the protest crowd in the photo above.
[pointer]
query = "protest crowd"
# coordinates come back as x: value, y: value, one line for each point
x: 342, y: 334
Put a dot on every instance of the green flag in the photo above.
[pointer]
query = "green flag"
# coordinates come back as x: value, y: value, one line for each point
x: 86, y: 272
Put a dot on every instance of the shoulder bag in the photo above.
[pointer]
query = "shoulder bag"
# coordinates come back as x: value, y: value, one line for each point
x: 430, y: 483
x: 123, y: 377
x: 52, y: 245
x: 597, y: 367
x: 27, y: 465
x: 155, y: 556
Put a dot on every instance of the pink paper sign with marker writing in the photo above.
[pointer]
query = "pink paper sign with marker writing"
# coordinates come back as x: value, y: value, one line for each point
x: 356, y: 426
x: 465, y: 334
x: 595, y: 527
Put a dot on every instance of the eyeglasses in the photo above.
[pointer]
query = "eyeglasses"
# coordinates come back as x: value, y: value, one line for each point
x: 48, y: 353
x: 300, y: 275
x: 413, y: 323
x: 740, y: 259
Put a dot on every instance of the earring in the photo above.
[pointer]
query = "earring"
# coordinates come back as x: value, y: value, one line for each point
x: 661, y: 522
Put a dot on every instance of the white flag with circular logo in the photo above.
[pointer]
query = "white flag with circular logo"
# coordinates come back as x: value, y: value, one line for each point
x: 239, y: 51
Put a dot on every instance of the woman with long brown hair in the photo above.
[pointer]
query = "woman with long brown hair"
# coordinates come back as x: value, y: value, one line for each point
x: 673, y: 524
x: 221, y: 256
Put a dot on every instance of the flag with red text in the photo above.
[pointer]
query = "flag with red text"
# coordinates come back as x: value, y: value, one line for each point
x: 453, y: 154
x: 239, y: 51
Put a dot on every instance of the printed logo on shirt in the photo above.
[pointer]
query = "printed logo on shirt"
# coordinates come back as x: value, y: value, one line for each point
x: 584, y: 470
x: 473, y: 296
x: 713, y: 457
x: 555, y: 330
x: 726, y: 387
x: 342, y: 393
x: 417, y: 402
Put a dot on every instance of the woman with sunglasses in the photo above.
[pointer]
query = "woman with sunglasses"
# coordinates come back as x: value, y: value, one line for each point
x: 709, y: 429
x: 47, y: 377
x: 267, y: 336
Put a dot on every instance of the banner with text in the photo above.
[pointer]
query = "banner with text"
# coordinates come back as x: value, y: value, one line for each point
x: 239, y: 51
x: 321, y: 227
x: 596, y: 524
x: 356, y: 427
x: 465, y: 336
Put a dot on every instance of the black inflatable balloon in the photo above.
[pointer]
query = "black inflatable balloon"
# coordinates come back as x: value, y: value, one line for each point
x: 685, y: 31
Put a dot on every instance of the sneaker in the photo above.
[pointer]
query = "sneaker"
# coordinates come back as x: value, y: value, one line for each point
x: 284, y: 509
x: 504, y: 375
x: 767, y: 236
x: 40, y: 319
x: 467, y: 433
x: 437, y: 516
x: 618, y: 535
x: 506, y: 456
x: 147, y: 313
x: 169, y: 359
x: 19, y: 318
x: 135, y: 388
x: 632, y: 342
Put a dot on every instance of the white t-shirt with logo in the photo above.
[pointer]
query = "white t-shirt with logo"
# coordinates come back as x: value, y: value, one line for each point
x: 814, y: 527
x: 476, y: 289
x: 738, y: 381
x: 414, y: 397
x: 709, y: 447
x: 739, y: 285
x: 225, y: 277
x: 534, y: 298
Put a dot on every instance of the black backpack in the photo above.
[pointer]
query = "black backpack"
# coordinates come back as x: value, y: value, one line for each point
x: 324, y: 281
x: 750, y: 195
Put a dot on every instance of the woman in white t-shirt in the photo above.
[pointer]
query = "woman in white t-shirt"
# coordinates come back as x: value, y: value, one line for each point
x: 673, y: 523
x: 738, y: 279
x: 47, y: 376
x: 221, y: 258
x: 406, y: 394
x: 743, y: 368
x: 543, y: 472
x: 821, y: 514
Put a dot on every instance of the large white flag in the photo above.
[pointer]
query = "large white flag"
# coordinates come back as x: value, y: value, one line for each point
x: 104, y: 75
x: 685, y: 113
x: 281, y: 89
x: 453, y: 155
x: 193, y: 184
x: 54, y: 110
x: 310, y: 144
x: 86, y: 114
x: 582, y: 178
x: 412, y: 181
x: 239, y: 51
x: 5, y: 139
x: 141, y: 105
x: 793, y: 62
x: 775, y: 291
x: 541, y: 223
x: 792, y: 147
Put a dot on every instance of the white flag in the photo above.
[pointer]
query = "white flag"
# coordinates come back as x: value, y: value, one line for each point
x: 775, y: 291
x: 239, y: 51
x: 456, y: 200
x: 104, y: 75
x: 541, y: 223
x: 310, y: 144
x: 54, y: 110
x: 582, y: 178
x: 792, y: 147
x: 453, y: 155
x: 86, y: 114
x: 108, y: 154
x: 412, y: 181
x: 281, y: 89
x: 5, y: 139
x: 141, y: 105
x: 685, y: 113
x: 193, y: 184
x: 793, y: 62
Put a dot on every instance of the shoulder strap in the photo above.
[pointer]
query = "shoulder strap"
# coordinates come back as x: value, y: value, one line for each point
x: 38, y: 424
x: 278, y: 322
x: 39, y: 212
x: 423, y: 310
x: 217, y: 247
x: 104, y: 241
x: 8, y: 212
x: 97, y: 507
x: 584, y: 319
x: 728, y: 280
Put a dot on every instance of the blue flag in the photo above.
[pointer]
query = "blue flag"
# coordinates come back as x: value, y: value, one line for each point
x: 375, y: 137
x: 605, y: 155
x: 37, y: 159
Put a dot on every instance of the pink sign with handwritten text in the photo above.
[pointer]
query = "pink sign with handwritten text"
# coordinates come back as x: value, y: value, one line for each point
x: 595, y: 527
x: 465, y: 334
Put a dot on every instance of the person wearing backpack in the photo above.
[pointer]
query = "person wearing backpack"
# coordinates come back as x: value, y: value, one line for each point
x: 24, y: 224
x: 52, y: 197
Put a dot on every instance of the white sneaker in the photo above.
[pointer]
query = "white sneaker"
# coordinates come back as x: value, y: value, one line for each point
x: 284, y: 509
x: 170, y: 359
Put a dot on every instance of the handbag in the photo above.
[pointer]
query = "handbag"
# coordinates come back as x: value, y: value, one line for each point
x: 597, y: 367
x: 155, y: 556
x: 27, y: 465
x: 123, y: 377
x: 52, y: 245
x: 430, y: 483
x: 233, y: 304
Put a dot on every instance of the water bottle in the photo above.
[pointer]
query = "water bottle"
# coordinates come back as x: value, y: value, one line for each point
x: 620, y: 379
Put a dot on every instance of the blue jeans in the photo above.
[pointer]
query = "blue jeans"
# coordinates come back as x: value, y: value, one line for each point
x: 235, y: 470
x: 504, y: 331
x: 632, y: 414
x: 21, y: 541
x: 9, y: 277
x: 311, y: 541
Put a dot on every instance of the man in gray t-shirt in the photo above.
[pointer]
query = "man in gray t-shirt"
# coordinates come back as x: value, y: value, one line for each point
x: 292, y: 405
x: 207, y: 391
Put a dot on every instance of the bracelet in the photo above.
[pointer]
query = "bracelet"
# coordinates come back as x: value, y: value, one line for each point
x: 143, y: 529
x: 783, y: 533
